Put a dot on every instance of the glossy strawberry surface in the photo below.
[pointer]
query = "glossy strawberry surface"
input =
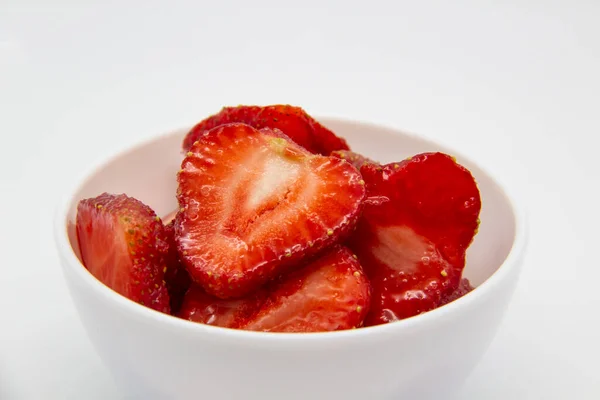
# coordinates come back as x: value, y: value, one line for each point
x: 254, y: 204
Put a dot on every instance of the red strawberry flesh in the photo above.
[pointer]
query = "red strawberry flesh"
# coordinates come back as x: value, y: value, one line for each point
x: 356, y: 159
x: 123, y: 244
x: 198, y: 306
x: 331, y: 293
x: 325, y: 141
x: 292, y: 121
x: 176, y: 276
x: 463, y: 288
x: 420, y: 216
x: 254, y: 204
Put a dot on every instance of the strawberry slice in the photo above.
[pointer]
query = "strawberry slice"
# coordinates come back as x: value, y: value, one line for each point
x: 331, y: 293
x: 463, y: 288
x: 353, y: 158
x: 419, y: 219
x: 123, y: 244
x: 254, y: 204
x: 198, y: 306
x: 227, y: 115
x: 293, y: 121
x: 176, y: 276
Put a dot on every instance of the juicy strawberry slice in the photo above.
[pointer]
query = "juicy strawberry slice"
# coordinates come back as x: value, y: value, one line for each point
x: 198, y: 306
x: 419, y: 219
x: 463, y: 288
x: 331, y: 293
x: 293, y: 121
x: 227, y: 115
x: 353, y: 158
x: 123, y: 244
x: 176, y: 276
x: 254, y: 204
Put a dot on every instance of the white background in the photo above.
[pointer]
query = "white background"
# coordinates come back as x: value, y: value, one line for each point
x: 515, y: 85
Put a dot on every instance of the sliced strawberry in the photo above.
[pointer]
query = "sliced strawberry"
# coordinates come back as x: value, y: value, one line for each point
x: 198, y: 306
x: 123, y: 244
x: 331, y: 293
x: 293, y: 121
x: 254, y: 204
x: 176, y: 276
x: 463, y: 288
x: 353, y: 158
x: 419, y: 219
x: 243, y: 114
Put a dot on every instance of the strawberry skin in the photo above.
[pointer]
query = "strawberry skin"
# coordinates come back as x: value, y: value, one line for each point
x: 124, y: 245
x: 420, y: 217
x: 324, y: 140
x: 242, y: 114
x: 198, y: 306
x: 463, y: 288
x: 254, y: 204
x: 293, y: 121
x: 177, y: 278
x: 353, y: 158
x: 329, y: 294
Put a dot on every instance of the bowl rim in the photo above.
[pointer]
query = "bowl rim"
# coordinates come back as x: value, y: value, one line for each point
x: 140, y: 312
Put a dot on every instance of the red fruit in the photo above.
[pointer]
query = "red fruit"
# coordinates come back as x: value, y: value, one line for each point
x: 463, y: 288
x: 324, y: 140
x: 123, y: 244
x: 227, y: 115
x: 353, y: 158
x: 294, y: 122
x: 331, y: 293
x: 419, y: 219
x: 254, y: 204
x: 198, y: 306
x: 176, y: 277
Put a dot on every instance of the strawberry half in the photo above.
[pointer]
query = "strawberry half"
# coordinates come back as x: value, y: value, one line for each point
x: 123, y: 244
x: 353, y: 158
x: 329, y: 294
x: 254, y: 204
x: 293, y: 121
x: 176, y: 276
x: 419, y: 219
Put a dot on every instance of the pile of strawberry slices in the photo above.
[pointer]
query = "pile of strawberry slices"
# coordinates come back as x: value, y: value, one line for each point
x: 282, y: 228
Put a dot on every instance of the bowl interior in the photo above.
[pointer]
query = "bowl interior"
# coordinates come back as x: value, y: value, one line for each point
x: 148, y: 172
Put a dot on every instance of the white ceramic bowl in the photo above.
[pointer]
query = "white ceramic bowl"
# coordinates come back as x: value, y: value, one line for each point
x: 156, y: 356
